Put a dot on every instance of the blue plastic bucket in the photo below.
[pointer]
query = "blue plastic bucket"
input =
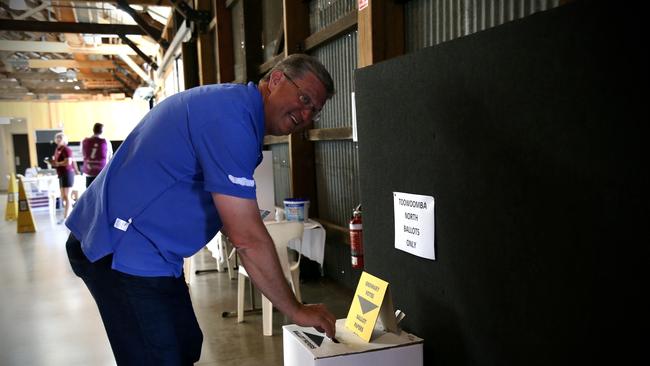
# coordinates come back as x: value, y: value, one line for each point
x: 296, y: 209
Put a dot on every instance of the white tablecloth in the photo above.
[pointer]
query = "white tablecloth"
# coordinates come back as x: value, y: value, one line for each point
x: 312, y: 246
x: 313, y: 242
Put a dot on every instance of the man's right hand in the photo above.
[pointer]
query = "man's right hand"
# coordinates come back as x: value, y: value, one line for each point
x: 316, y: 316
x: 244, y: 227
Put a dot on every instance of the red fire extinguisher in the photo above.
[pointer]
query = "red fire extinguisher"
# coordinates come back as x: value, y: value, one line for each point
x: 356, y: 239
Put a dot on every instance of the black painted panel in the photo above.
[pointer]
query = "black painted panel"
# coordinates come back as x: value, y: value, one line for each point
x: 530, y: 136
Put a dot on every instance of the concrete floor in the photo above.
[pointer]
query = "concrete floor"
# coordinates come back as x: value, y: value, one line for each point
x: 49, y: 318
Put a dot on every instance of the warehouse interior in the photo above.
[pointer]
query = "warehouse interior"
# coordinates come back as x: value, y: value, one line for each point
x: 523, y: 119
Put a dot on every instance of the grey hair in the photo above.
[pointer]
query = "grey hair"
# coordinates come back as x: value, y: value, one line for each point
x: 298, y: 64
x: 63, y: 137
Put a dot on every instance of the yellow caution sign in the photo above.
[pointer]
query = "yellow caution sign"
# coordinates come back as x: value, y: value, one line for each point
x: 25, y: 223
x: 11, y: 213
x: 371, y: 300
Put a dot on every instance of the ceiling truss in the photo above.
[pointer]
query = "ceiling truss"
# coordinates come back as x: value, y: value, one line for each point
x: 58, y: 48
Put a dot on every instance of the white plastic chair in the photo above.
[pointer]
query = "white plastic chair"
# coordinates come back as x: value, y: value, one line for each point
x: 281, y: 233
x: 224, y: 253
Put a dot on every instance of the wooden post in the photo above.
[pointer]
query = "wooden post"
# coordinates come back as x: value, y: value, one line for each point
x: 253, y: 38
x: 206, y: 47
x: 190, y: 65
x: 301, y: 150
x: 381, y: 31
x: 225, y: 59
x: 296, y: 25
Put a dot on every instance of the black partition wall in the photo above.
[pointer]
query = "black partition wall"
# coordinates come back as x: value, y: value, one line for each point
x: 531, y: 138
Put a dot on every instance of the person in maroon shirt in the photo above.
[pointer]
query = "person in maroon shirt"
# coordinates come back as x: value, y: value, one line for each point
x: 62, y: 161
x: 97, y: 151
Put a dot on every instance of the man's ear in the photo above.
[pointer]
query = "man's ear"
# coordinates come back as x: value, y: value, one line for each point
x: 275, y: 79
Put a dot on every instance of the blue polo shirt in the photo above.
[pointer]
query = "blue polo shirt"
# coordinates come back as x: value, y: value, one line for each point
x: 152, y: 206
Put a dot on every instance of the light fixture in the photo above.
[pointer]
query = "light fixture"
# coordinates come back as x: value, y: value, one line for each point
x: 77, y: 87
x: 143, y: 92
x: 70, y: 74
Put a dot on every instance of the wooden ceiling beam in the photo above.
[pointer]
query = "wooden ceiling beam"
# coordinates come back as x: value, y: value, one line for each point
x: 149, y: 30
x: 151, y: 21
x: 29, y: 13
x: 32, y: 75
x: 73, y: 91
x: 69, y: 27
x: 54, y: 76
x: 16, y: 14
x: 95, y: 76
x: 125, y: 81
x: 74, y: 64
x: 67, y: 14
x: 138, y: 2
x: 33, y: 84
x: 103, y: 85
x: 63, y: 47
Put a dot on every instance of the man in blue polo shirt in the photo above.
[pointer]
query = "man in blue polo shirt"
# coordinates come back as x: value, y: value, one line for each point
x: 184, y: 173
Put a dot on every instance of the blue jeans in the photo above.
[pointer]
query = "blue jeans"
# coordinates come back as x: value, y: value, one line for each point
x: 149, y: 320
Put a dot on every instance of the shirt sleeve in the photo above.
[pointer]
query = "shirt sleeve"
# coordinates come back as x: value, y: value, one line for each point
x: 227, y: 149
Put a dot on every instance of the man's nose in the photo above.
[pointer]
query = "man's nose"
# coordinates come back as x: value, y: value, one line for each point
x: 306, y: 114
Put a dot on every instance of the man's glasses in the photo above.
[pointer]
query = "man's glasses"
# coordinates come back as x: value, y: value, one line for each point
x: 306, y: 101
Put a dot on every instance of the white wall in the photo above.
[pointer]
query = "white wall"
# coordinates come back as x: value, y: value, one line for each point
x: 76, y: 118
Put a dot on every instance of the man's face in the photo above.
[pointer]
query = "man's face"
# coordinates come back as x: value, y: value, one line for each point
x: 292, y: 103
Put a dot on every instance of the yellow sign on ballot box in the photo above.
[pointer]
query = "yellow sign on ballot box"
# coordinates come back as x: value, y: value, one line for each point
x: 372, y: 300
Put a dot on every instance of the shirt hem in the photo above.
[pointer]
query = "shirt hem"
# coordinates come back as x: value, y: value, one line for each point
x: 139, y: 272
x: 91, y: 255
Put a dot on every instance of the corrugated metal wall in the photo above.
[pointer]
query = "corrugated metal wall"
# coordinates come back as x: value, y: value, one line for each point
x: 340, y: 59
x: 337, y: 179
x: 325, y: 12
x: 337, y: 162
x: 429, y: 22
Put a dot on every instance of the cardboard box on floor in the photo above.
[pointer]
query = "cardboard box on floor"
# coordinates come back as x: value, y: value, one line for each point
x: 307, y: 347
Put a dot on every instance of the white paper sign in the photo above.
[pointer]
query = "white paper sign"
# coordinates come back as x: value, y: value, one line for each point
x: 414, y: 224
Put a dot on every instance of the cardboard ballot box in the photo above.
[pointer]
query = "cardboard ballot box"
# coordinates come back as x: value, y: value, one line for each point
x: 308, y: 347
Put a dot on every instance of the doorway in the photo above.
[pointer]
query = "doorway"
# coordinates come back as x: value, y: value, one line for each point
x: 21, y: 153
